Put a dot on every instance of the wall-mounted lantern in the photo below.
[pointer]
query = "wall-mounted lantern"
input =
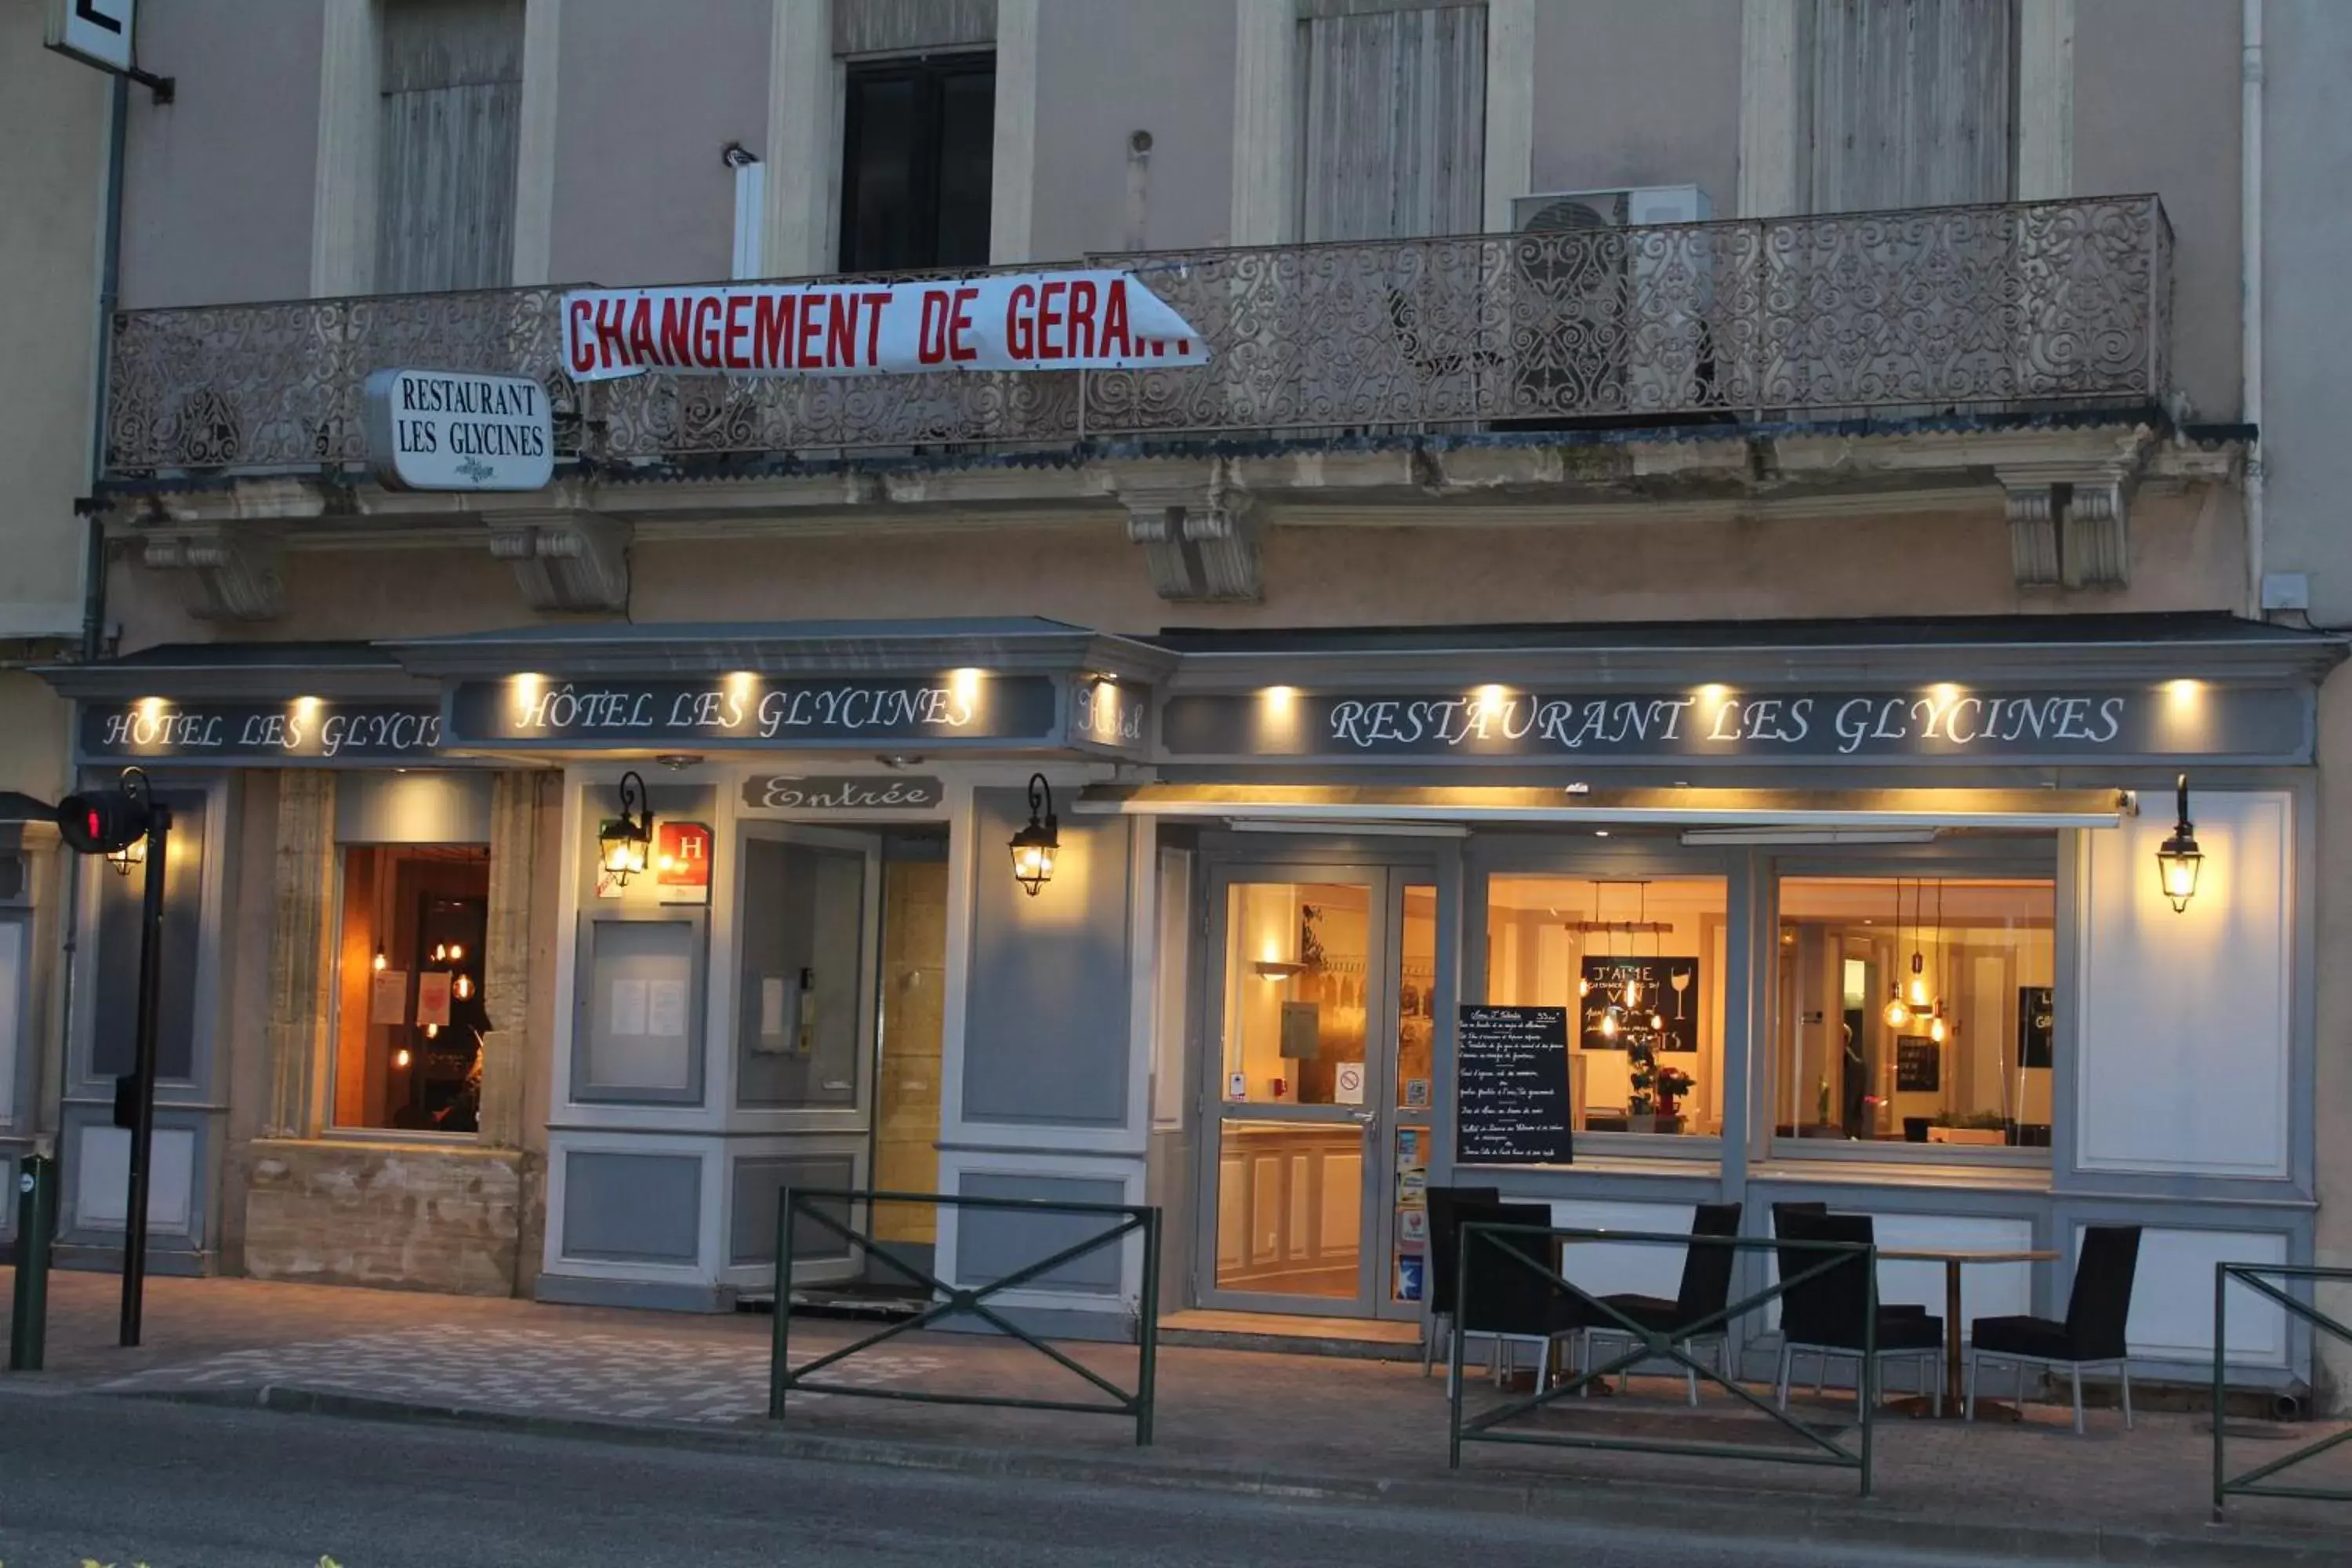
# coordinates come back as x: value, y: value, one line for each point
x: 132, y: 854
x: 626, y: 841
x: 1034, y: 846
x: 2178, y: 859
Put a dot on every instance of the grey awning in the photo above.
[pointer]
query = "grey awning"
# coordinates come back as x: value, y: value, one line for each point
x: 1930, y: 809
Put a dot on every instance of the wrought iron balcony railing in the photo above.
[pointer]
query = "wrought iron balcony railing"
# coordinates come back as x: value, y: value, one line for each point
x: 2039, y: 305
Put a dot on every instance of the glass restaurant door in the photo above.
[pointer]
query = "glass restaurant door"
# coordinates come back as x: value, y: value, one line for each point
x: 1322, y: 978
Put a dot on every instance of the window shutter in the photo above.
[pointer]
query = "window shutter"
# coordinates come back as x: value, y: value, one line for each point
x: 1913, y: 102
x: 452, y: 85
x: 1395, y: 122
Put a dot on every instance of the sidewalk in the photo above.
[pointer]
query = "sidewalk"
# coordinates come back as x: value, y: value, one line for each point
x: 1361, y: 1432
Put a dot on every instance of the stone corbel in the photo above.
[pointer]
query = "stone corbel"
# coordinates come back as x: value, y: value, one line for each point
x: 2070, y: 527
x: 566, y: 561
x: 227, y: 571
x: 1200, y: 541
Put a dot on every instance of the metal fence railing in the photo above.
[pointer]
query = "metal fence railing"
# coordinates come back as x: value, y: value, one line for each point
x: 1486, y: 1244
x: 826, y: 1207
x: 2063, y: 304
x: 2259, y: 1279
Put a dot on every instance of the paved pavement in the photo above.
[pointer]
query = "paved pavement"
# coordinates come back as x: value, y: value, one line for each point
x: 88, y: 1479
x: 1228, y: 1418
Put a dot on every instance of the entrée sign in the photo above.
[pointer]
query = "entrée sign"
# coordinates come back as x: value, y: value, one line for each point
x: 751, y: 710
x: 844, y: 792
x: 1078, y: 320
x: 1805, y: 726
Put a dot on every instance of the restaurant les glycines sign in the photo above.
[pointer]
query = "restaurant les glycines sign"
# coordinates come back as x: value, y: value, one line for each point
x: 2167, y: 720
x: 460, y: 430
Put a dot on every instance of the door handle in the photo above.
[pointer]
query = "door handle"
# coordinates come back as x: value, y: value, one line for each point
x: 1363, y: 1116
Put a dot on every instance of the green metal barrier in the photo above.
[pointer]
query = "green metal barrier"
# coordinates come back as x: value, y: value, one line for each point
x: 799, y: 1203
x: 1487, y: 1427
x: 2257, y: 1277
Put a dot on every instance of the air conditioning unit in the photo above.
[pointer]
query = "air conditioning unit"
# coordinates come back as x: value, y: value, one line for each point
x: 1621, y: 319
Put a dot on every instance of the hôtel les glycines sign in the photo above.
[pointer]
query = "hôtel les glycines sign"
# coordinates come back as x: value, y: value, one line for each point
x: 1078, y: 318
x: 305, y: 729
x: 960, y: 705
x: 2171, y: 719
x: 450, y: 430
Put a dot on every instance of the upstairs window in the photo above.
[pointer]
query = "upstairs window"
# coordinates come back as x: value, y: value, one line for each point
x: 918, y: 144
x: 447, y: 144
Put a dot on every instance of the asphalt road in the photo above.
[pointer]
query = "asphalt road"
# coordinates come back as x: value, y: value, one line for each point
x: 181, y: 1487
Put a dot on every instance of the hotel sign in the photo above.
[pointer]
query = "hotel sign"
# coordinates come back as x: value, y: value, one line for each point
x: 445, y: 430
x: 962, y: 707
x: 306, y: 729
x: 1943, y: 723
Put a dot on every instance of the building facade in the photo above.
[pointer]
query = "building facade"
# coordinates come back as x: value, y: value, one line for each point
x: 1719, y: 507
x: 55, y: 117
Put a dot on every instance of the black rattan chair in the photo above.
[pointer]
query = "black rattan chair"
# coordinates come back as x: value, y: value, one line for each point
x: 1829, y: 1314
x: 1706, y: 1290
x: 1445, y: 1229
x: 2099, y: 1312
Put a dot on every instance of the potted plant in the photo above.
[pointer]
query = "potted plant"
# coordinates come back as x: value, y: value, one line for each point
x: 1655, y: 1091
x: 1986, y: 1129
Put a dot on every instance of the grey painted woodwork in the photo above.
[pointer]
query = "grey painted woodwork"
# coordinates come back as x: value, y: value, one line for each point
x: 1396, y: 122
x: 898, y: 27
x: 1913, y: 102
x: 449, y: 137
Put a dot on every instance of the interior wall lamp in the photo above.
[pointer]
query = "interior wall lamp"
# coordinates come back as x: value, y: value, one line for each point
x: 1034, y: 846
x: 2178, y: 859
x: 626, y: 842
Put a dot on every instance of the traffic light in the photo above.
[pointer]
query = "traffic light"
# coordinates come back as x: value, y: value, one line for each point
x: 104, y: 822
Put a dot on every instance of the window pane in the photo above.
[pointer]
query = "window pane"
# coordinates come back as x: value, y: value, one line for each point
x: 967, y: 153
x: 411, y: 1013
x: 1295, y: 978
x: 1640, y: 967
x: 797, y: 1038
x: 878, y: 213
x: 1915, y: 1010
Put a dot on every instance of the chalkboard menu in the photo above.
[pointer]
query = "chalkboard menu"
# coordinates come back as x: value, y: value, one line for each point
x: 2035, y: 1005
x: 1669, y: 988
x: 1511, y: 1083
x: 1918, y: 1064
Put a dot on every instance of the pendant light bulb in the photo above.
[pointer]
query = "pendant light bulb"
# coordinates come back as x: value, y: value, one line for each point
x: 1918, y: 996
x: 1609, y: 1025
x: 1897, y: 1014
x: 1632, y: 993
x: 1936, y: 1030
x: 1583, y: 986
x: 1657, y: 1024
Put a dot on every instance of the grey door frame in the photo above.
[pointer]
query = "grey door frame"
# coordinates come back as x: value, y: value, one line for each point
x: 1327, y: 861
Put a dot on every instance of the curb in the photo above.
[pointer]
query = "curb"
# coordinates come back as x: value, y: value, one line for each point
x: 1608, y: 1503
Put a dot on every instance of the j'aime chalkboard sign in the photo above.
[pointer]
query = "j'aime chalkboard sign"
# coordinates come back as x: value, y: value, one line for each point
x: 1512, y: 1081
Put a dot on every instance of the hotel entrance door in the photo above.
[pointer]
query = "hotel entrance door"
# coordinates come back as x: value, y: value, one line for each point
x: 1322, y: 980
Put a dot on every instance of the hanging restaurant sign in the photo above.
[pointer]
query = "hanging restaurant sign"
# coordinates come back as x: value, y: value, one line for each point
x: 965, y: 705
x: 2174, y: 719
x: 1078, y: 320
x: 447, y: 430
x: 306, y: 729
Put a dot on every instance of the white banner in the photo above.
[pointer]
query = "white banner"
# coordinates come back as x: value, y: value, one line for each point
x: 1091, y: 320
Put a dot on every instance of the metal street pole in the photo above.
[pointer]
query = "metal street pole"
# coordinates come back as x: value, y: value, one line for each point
x: 142, y: 1131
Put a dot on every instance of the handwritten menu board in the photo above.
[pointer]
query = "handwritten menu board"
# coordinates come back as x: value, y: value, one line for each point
x: 1669, y: 989
x: 1918, y: 1064
x: 1512, y: 1087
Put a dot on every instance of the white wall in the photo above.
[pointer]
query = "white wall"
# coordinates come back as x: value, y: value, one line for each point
x: 2183, y: 1062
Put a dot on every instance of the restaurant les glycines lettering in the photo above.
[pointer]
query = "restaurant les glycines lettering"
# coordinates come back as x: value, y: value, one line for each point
x: 439, y: 430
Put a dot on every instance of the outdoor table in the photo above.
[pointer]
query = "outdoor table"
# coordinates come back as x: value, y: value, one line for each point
x: 1952, y: 1258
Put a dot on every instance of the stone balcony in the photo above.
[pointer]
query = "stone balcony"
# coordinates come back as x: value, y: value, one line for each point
x: 1884, y: 359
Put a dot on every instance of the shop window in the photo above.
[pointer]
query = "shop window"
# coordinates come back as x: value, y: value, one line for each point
x: 410, y: 1011
x: 1639, y: 964
x: 1915, y: 1013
